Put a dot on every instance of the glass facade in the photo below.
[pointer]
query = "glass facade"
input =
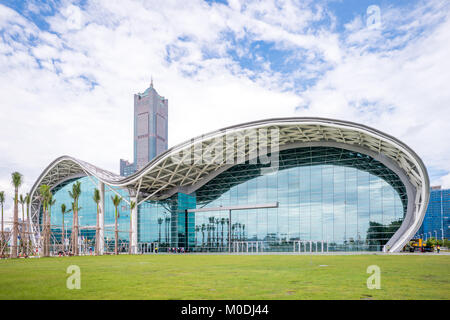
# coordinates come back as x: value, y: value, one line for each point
x: 327, y: 198
x: 345, y: 199
x: 87, y: 215
x: 436, y: 222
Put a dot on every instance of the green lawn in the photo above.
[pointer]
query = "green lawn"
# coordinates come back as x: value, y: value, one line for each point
x: 227, y: 277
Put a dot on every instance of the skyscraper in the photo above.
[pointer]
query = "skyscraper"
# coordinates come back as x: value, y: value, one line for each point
x: 150, y: 129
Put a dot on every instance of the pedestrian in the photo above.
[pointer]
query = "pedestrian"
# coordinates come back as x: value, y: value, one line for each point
x: 438, y: 248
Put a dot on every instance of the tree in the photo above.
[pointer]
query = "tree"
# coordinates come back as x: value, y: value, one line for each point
x: 167, y: 225
x: 116, y: 202
x: 22, y: 229
x: 75, y: 195
x: 97, y: 199
x: 217, y: 231
x: 210, y: 231
x: 197, y: 230
x: 208, y: 241
x: 77, y: 209
x: 44, y: 192
x: 16, y: 179
x: 222, y: 223
x: 132, y: 206
x: 51, y: 202
x: 203, y: 234
x: 2, y: 240
x: 160, y: 221
x: 63, y: 212
x: 28, y: 224
x: 227, y: 221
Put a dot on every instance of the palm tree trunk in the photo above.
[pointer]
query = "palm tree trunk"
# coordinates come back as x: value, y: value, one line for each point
x: 2, y: 239
x: 97, y: 233
x: 26, y: 235
x: 72, y: 235
x: 116, y: 234
x: 15, y: 225
x: 165, y: 231
x: 76, y: 249
x: 49, y: 230
x: 159, y: 233
x: 131, y: 234
x: 44, y: 233
x: 63, y: 235
x: 30, y: 234
x: 221, y: 238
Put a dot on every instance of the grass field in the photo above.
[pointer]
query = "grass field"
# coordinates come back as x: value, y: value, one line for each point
x: 227, y: 277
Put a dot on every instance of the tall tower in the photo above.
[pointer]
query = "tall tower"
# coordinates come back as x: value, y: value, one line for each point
x: 150, y: 129
x: 150, y: 126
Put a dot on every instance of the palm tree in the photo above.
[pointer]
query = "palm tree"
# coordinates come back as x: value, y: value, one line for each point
x: 97, y: 199
x: 51, y: 202
x: 16, y: 179
x: 75, y: 195
x: 77, y: 209
x: 222, y: 223
x: 116, y: 201
x: 160, y: 221
x: 227, y: 221
x: 203, y: 234
x: 63, y: 212
x: 132, y: 206
x: 2, y: 201
x: 44, y: 191
x: 167, y: 225
x: 197, y: 230
x: 22, y: 229
x: 210, y: 230
x: 217, y: 232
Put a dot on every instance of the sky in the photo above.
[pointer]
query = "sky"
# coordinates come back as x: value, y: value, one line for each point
x: 69, y: 69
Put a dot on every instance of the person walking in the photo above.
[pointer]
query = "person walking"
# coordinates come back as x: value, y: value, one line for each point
x: 438, y: 248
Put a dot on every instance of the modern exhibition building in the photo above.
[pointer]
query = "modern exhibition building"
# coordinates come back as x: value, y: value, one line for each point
x: 277, y: 185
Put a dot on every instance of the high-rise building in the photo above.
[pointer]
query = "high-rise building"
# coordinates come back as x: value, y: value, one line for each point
x: 436, y: 223
x: 126, y: 168
x: 150, y: 129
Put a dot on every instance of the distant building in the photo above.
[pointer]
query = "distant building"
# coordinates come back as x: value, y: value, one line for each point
x: 436, y: 222
x: 150, y: 129
x: 126, y: 168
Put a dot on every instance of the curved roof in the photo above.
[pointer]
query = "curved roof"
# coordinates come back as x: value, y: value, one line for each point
x: 181, y: 168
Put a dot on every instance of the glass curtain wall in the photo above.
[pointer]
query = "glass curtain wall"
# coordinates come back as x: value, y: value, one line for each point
x: 328, y: 198
x: 87, y: 216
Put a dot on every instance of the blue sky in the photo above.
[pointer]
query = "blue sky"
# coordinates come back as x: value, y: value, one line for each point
x: 69, y: 70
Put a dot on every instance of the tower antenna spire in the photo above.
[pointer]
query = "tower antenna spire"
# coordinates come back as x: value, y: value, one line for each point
x: 151, y: 81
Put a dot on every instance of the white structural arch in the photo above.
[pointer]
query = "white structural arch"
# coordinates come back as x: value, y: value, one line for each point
x: 182, y: 167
